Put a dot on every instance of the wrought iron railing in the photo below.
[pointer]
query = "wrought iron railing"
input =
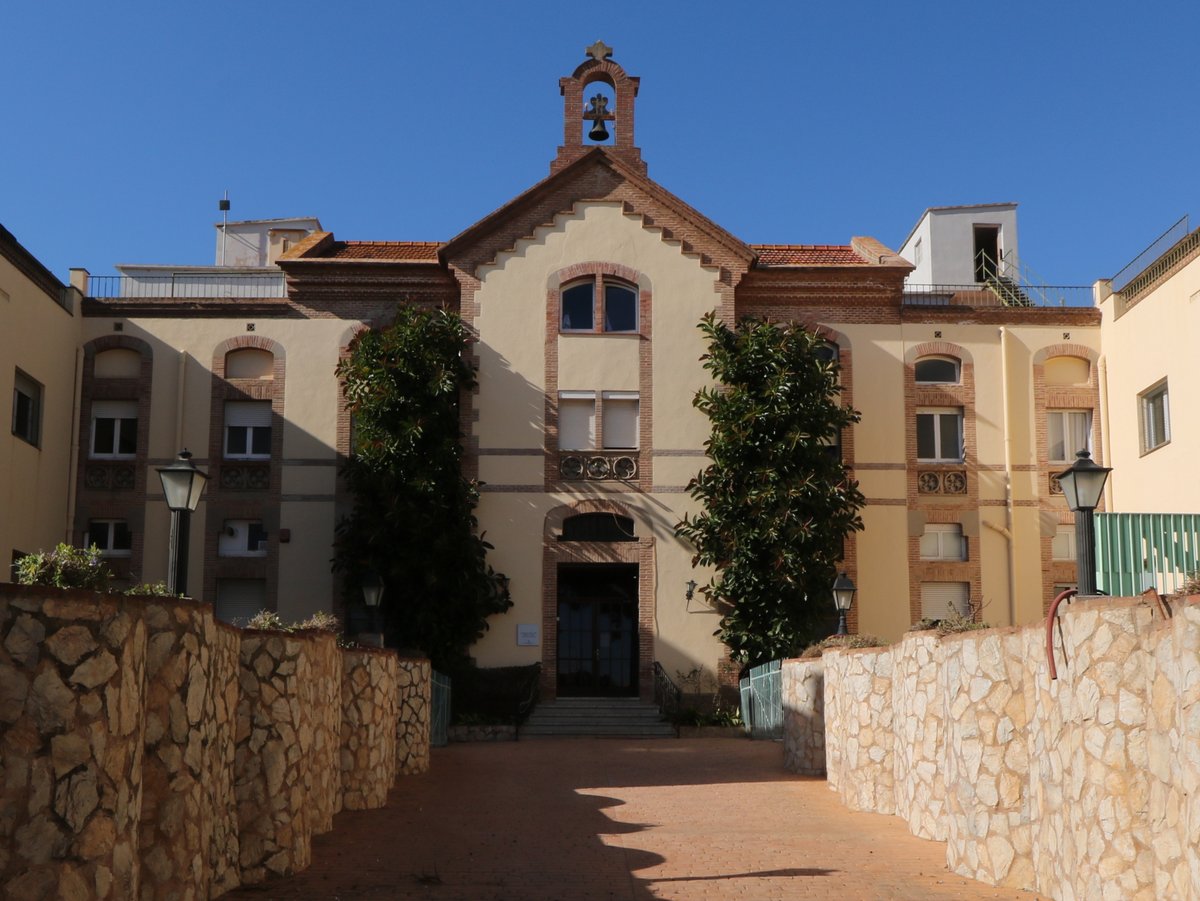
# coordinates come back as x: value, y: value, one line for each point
x: 667, y: 695
x: 1160, y: 267
x: 1136, y: 551
x: 1142, y: 261
x: 998, y: 294
x: 187, y: 285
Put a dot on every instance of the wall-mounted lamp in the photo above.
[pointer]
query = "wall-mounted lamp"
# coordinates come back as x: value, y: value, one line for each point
x: 689, y: 589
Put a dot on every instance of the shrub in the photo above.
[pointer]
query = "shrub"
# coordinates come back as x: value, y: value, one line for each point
x: 1191, y: 585
x: 841, y: 641
x: 152, y: 590
x: 956, y: 623
x: 321, y: 621
x: 266, y: 620
x: 65, y: 567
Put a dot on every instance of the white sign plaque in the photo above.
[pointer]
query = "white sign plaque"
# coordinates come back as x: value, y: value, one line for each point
x: 527, y: 634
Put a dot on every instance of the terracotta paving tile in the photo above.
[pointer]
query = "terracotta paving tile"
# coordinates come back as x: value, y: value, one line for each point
x: 599, y: 820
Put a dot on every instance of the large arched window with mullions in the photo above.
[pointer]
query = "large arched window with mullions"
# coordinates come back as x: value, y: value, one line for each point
x: 599, y: 304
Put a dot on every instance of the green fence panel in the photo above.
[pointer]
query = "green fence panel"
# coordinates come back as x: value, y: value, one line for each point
x: 439, y: 725
x: 762, y: 700
x: 1136, y: 551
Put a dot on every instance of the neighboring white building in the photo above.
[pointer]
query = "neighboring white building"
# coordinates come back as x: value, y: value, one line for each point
x: 953, y: 245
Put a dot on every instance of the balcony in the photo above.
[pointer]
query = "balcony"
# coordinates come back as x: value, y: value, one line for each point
x: 188, y: 285
x: 997, y: 294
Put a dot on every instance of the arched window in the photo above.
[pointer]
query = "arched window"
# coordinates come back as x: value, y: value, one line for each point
x: 599, y: 305
x: 598, y: 527
x: 938, y: 371
x: 249, y: 363
x: 118, y: 363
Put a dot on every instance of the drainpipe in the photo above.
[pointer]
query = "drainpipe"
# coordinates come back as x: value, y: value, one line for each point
x: 1008, y: 480
x: 1105, y: 431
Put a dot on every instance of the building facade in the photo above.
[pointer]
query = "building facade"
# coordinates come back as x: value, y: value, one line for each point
x: 584, y: 293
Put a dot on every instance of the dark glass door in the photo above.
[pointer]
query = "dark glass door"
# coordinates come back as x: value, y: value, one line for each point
x: 597, y: 630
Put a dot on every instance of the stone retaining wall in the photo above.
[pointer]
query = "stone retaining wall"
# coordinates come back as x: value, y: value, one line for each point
x: 367, y: 758
x: 147, y: 751
x: 1084, y: 787
x: 415, y: 700
x: 803, y: 691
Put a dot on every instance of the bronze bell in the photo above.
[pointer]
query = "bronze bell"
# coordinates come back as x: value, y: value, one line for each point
x: 598, y: 132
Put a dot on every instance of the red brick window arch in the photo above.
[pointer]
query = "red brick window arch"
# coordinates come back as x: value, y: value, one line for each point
x: 599, y: 303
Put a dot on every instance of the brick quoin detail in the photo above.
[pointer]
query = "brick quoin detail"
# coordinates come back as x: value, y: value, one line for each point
x: 128, y: 504
x: 226, y: 503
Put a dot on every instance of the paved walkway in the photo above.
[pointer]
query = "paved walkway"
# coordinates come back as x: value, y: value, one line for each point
x: 599, y: 820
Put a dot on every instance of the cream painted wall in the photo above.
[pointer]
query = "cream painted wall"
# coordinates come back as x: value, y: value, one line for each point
x: 305, y: 578
x: 513, y: 296
x: 882, y: 598
x: 1156, y: 339
x: 41, y: 339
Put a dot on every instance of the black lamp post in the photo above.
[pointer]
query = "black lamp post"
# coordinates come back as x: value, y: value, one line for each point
x: 1082, y: 486
x: 843, y: 598
x: 182, y: 484
x: 372, y: 589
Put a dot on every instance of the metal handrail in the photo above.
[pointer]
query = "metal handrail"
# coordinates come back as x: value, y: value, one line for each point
x: 1156, y: 270
x: 1054, y: 297
x: 667, y: 695
x: 1152, y: 252
x: 188, y: 285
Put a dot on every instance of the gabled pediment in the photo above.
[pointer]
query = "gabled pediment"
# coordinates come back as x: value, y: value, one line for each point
x: 599, y: 176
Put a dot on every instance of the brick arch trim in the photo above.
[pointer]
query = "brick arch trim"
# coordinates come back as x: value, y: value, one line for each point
x: 246, y: 342
x: 553, y: 523
x: 117, y: 342
x: 560, y: 277
x: 1050, y: 351
x: 937, y: 349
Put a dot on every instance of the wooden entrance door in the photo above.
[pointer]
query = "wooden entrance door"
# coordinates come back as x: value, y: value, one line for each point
x: 597, y: 630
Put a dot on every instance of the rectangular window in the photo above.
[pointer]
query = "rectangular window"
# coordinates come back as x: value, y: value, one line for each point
x: 577, y: 307
x: 111, y: 536
x: 939, y: 435
x: 940, y: 600
x: 943, y: 542
x: 1155, y: 412
x: 242, y: 538
x: 1067, y: 433
x: 619, y: 421
x: 27, y: 409
x: 248, y: 430
x: 114, y: 428
x: 1062, y: 545
x: 577, y: 420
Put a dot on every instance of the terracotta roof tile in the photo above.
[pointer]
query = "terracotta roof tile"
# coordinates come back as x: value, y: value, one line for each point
x: 395, y: 251
x: 807, y: 255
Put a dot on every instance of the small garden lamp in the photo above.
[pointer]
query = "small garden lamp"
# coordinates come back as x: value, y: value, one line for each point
x: 1082, y: 486
x: 182, y: 485
x: 843, y: 598
x: 372, y: 589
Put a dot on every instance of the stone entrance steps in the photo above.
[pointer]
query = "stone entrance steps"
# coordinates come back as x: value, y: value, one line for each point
x: 611, y: 717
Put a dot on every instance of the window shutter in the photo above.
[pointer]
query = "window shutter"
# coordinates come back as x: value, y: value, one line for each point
x: 114, y: 409
x: 253, y: 413
x: 239, y: 599
x: 577, y: 420
x: 940, y: 600
x: 620, y: 423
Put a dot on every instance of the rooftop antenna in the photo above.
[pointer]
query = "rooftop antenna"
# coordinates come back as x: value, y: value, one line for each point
x: 223, y: 206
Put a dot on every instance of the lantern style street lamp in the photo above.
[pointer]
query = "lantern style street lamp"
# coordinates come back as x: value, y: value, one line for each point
x: 182, y: 485
x: 372, y: 589
x: 1082, y: 486
x: 843, y: 598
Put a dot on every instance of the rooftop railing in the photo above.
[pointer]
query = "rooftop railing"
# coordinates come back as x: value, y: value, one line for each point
x: 187, y: 286
x: 998, y: 294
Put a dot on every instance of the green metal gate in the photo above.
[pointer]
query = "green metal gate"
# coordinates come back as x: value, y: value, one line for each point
x: 439, y: 725
x: 762, y: 700
x: 1136, y: 551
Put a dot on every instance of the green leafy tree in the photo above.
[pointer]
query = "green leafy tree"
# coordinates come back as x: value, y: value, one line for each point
x: 778, y: 502
x: 413, y: 518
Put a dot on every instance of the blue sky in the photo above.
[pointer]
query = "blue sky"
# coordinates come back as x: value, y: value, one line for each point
x: 784, y: 122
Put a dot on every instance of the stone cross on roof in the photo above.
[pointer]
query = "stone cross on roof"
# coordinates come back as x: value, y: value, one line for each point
x: 599, y: 51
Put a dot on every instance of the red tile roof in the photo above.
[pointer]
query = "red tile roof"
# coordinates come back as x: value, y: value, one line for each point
x: 807, y: 255
x: 401, y: 251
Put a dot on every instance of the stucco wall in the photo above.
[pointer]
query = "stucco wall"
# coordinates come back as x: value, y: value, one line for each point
x: 151, y: 752
x: 1083, y: 787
